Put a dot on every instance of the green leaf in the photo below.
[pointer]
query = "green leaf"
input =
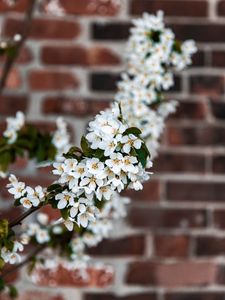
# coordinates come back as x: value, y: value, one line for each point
x: 132, y: 130
x: 142, y: 156
x: 85, y: 146
x: 98, y: 153
x: 4, y: 228
x: 54, y: 187
x: 2, y: 264
x: 177, y: 46
x: 2, y: 284
x: 65, y: 213
x: 13, y: 293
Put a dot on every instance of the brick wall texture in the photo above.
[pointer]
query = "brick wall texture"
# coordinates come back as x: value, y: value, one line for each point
x: 172, y: 244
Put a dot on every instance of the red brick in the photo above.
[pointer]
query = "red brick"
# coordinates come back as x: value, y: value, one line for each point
x: 171, y: 245
x: 13, y: 80
x: 171, y: 8
x: 190, y: 110
x: 150, y: 192
x: 61, y: 276
x: 218, y: 59
x: 195, y: 136
x: 168, y: 162
x: 157, y: 218
x: 78, y: 55
x: 9, y: 105
x: 196, y: 191
x: 132, y: 245
x: 221, y: 8
x: 206, y: 32
x: 35, y: 295
x: 41, y: 80
x: 79, y: 107
x: 90, y: 7
x: 146, y: 296
x: 218, y: 164
x: 44, y: 28
x: 10, y: 214
x: 207, y: 85
x: 192, y: 295
x: 184, y: 274
x: 218, y: 108
x: 219, y: 219
x: 20, y: 6
x: 25, y: 56
x: 209, y: 246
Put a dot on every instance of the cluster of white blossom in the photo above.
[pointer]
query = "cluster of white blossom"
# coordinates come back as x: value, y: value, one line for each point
x: 26, y: 196
x: 112, y: 165
x: 153, y: 55
x: 61, y: 138
x: 12, y: 256
x: 13, y: 126
x: 43, y: 231
x: 54, y: 7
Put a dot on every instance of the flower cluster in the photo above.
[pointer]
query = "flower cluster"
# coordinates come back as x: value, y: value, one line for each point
x: 114, y: 158
x: 13, y: 126
x: 153, y: 55
x: 11, y: 256
x: 22, y: 138
x: 25, y: 195
x: 61, y: 138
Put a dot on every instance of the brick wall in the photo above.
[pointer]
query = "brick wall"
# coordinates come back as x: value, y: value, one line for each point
x: 172, y: 245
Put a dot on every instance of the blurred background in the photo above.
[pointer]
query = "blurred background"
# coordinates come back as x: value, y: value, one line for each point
x: 172, y: 244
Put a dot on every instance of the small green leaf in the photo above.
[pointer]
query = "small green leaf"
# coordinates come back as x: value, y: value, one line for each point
x: 54, y: 187
x: 65, y: 213
x: 2, y: 264
x: 4, y: 228
x: 2, y: 284
x: 132, y: 130
x: 13, y: 293
x: 142, y: 156
x: 85, y: 146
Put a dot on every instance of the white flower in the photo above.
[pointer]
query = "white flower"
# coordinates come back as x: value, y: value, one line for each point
x: 42, y: 236
x: 95, y: 166
x: 108, y: 146
x: 104, y: 192
x: 84, y: 217
x: 69, y: 223
x: 42, y: 218
x: 90, y: 183
x: 65, y: 198
x: 17, y: 189
x: 37, y: 194
x: 13, y: 126
x: 130, y: 141
x: 115, y: 163
x: 129, y: 163
x: 29, y: 202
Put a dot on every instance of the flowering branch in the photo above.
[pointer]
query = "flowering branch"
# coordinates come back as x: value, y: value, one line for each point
x: 12, y: 58
x: 29, y: 258
x: 19, y: 219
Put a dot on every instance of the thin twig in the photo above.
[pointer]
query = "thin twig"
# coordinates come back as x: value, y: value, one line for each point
x: 25, y: 261
x: 24, y: 34
x: 19, y: 219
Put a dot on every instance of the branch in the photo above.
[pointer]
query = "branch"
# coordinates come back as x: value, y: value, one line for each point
x: 19, y: 219
x: 25, y: 261
x: 25, y: 32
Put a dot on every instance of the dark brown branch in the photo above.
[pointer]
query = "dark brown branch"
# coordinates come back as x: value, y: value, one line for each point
x: 24, y: 34
x: 19, y: 219
x: 25, y: 261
